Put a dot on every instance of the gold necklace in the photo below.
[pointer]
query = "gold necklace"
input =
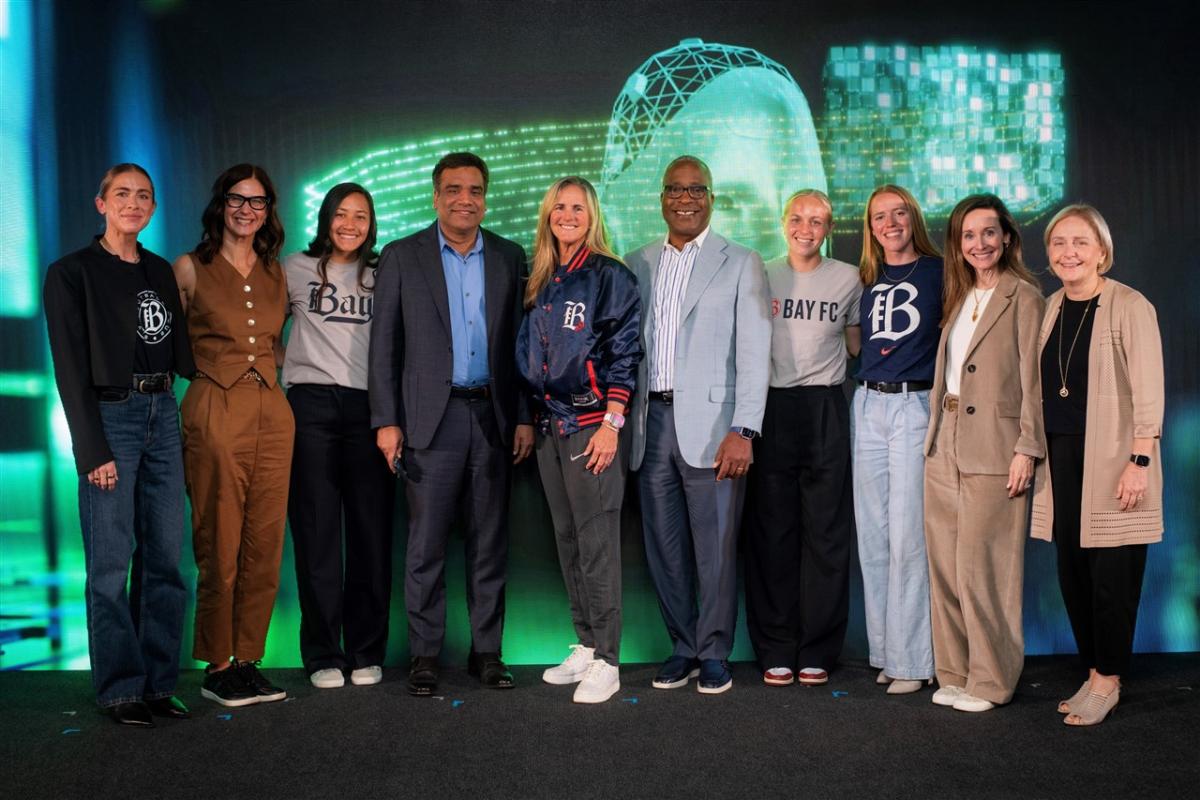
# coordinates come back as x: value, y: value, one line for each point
x: 1062, y: 370
x: 975, y: 311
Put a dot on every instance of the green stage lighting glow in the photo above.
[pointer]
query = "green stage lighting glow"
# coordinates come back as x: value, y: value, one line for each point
x: 945, y: 122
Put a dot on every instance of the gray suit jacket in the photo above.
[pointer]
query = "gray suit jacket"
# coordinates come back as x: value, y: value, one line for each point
x: 411, y: 359
x: 722, y: 349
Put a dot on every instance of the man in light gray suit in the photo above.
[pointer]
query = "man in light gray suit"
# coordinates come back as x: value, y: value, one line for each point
x: 701, y: 393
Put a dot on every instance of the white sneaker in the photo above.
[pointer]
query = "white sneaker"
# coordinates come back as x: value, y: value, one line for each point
x: 328, y: 678
x: 946, y: 695
x: 573, y: 667
x: 966, y: 702
x: 601, y: 682
x: 366, y: 676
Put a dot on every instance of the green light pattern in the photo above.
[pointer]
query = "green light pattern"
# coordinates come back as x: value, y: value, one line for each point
x: 944, y: 122
x: 522, y: 163
x: 18, y: 237
x: 739, y: 111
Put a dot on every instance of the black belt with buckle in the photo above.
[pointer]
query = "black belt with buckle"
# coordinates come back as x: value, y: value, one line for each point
x: 151, y: 383
x: 666, y: 398
x: 471, y: 392
x: 897, y: 388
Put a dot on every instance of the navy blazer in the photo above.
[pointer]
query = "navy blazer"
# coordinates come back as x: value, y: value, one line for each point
x: 411, y: 357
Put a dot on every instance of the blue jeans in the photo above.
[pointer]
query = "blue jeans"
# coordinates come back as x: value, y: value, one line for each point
x: 133, y: 636
x: 887, y: 435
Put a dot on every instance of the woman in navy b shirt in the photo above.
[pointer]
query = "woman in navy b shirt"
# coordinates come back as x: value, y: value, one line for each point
x: 900, y: 311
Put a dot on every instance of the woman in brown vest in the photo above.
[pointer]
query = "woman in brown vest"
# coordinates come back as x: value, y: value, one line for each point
x: 237, y: 429
x: 1102, y: 401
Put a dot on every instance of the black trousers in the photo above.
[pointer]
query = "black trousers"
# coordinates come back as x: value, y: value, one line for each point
x: 797, y: 529
x: 466, y: 469
x: 1101, y: 586
x: 339, y: 476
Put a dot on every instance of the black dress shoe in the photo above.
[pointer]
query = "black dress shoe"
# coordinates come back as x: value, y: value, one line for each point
x: 135, y: 714
x: 422, y: 676
x: 490, y: 670
x: 171, y: 707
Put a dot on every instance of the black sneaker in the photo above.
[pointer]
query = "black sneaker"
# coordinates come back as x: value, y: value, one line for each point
x: 228, y: 688
x: 265, y: 690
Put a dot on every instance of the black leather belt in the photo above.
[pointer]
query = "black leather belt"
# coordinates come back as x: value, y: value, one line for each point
x: 152, y: 383
x: 666, y: 397
x: 471, y: 392
x: 897, y: 388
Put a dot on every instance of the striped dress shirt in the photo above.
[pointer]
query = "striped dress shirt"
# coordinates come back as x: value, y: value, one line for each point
x: 670, y: 287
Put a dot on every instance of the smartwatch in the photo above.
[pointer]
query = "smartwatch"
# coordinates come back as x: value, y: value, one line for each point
x: 1141, y: 461
x: 617, y: 421
x: 746, y: 433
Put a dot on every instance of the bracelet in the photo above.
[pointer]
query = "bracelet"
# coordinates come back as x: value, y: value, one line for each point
x: 610, y: 426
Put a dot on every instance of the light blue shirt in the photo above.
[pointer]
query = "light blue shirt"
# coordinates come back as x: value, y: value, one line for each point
x: 468, y: 313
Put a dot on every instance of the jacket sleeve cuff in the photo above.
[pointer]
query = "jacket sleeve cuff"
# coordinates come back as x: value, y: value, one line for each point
x: 619, y: 394
x: 1147, y: 431
x: 1031, y: 449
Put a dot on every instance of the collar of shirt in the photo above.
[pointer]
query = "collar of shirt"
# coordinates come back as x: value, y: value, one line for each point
x: 698, y: 241
x: 476, y: 248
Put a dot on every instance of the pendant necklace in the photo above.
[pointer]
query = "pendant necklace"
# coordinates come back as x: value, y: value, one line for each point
x: 978, y: 299
x: 1062, y: 370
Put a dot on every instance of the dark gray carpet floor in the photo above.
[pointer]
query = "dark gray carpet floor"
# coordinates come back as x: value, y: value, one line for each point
x: 845, y: 740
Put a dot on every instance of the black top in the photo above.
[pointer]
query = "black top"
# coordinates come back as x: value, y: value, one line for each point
x: 94, y: 314
x: 1068, y: 415
x: 155, y: 327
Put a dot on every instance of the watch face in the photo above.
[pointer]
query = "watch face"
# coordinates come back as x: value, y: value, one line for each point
x: 1141, y: 461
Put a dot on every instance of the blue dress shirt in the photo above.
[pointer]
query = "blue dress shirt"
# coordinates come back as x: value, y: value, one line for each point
x: 468, y: 313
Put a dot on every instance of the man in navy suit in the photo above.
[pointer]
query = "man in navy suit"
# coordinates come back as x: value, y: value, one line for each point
x: 701, y: 393
x: 445, y: 406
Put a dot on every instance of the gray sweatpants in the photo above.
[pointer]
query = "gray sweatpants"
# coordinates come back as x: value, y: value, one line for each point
x: 586, y: 511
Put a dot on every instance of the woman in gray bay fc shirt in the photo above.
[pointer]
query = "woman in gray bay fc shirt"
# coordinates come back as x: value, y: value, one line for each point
x: 336, y: 469
x: 798, y: 511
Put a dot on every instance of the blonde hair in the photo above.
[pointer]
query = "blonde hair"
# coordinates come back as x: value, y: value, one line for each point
x: 872, y: 252
x: 1093, y: 218
x: 815, y: 194
x: 545, y: 245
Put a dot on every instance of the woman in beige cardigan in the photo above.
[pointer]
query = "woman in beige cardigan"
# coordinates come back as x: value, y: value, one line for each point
x: 1102, y: 390
x: 985, y: 433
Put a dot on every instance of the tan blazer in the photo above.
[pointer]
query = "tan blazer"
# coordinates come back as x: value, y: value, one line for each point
x: 1000, y: 396
x: 1125, y: 398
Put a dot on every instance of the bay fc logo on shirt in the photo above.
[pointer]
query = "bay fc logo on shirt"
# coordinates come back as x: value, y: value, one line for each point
x: 573, y: 319
x: 154, y: 320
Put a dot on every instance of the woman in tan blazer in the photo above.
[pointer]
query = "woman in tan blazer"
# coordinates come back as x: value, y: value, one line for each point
x: 985, y: 433
x: 1102, y: 401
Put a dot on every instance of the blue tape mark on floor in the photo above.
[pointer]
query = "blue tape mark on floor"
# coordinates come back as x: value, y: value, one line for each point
x: 837, y: 693
x: 457, y: 703
x: 225, y: 717
x: 629, y: 700
x: 70, y: 730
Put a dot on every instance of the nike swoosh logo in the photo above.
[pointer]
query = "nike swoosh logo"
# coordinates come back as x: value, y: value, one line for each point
x: 883, y: 351
x: 576, y: 458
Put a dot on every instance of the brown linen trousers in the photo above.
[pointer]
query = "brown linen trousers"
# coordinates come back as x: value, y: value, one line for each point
x: 238, y: 434
x: 975, y: 534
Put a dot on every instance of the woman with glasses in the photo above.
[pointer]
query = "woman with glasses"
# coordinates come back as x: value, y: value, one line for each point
x: 337, y: 472
x: 237, y: 430
x: 117, y: 336
x: 900, y: 311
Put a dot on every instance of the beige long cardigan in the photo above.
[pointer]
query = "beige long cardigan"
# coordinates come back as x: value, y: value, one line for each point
x: 1125, y: 398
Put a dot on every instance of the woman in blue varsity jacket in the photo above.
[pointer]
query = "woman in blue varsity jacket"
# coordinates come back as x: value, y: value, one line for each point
x: 578, y: 352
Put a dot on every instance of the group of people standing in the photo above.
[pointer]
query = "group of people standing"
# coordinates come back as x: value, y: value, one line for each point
x: 972, y: 391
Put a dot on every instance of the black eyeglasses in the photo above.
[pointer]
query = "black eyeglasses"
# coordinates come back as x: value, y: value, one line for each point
x: 258, y: 202
x: 675, y: 191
